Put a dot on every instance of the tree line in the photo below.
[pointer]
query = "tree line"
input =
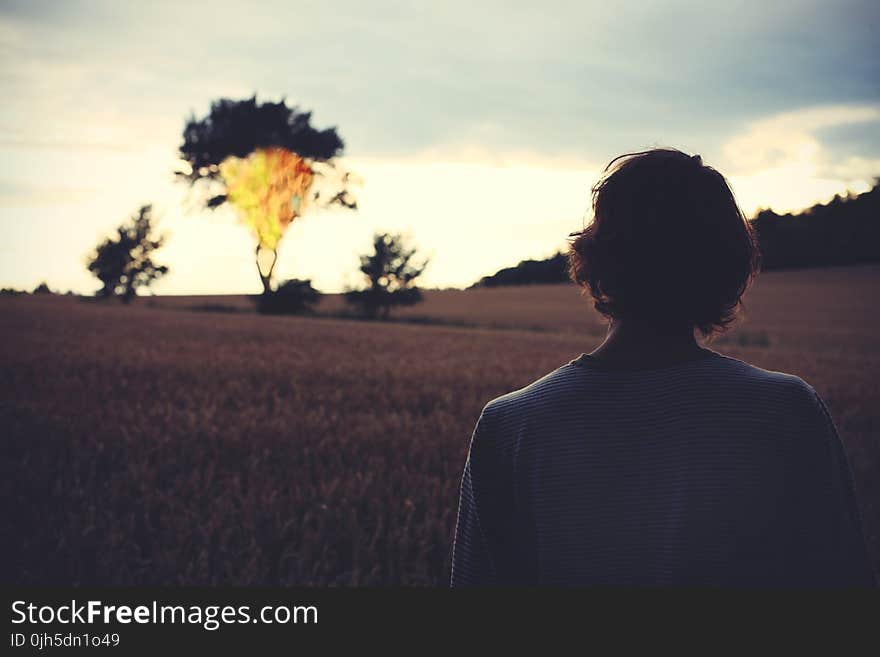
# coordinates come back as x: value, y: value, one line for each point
x: 844, y: 231
x: 124, y: 263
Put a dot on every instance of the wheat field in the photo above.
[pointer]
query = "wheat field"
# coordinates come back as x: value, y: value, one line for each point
x: 161, y: 444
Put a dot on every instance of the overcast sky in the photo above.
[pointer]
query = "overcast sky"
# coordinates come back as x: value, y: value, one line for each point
x: 477, y: 127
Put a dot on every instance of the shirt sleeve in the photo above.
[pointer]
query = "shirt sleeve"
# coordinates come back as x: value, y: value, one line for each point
x: 472, y: 560
x: 840, y: 549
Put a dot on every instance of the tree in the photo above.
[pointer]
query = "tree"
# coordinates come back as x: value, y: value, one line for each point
x: 124, y: 263
x: 292, y: 297
x: 267, y: 161
x: 390, y: 273
x: 42, y: 288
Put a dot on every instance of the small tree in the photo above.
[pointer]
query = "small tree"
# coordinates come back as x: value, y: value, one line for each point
x: 267, y: 161
x: 42, y: 288
x: 292, y: 297
x: 124, y: 263
x: 390, y: 273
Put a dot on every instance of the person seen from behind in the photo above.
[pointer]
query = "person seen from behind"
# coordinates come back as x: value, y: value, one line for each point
x: 653, y: 460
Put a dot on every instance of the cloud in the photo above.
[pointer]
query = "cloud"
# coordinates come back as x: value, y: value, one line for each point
x: 782, y: 162
x: 774, y: 141
x: 582, y: 79
x: 472, y: 123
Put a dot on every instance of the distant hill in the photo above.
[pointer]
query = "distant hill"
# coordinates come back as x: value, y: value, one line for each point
x: 846, y: 230
x: 529, y: 272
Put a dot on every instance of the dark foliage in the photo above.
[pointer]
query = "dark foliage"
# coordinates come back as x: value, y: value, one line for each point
x: 843, y: 231
x: 42, y: 288
x: 390, y: 272
x: 530, y: 272
x: 238, y: 127
x: 124, y: 263
x: 292, y: 297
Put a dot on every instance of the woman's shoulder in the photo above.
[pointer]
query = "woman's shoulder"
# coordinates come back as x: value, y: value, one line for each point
x: 739, y: 370
x: 545, y: 389
x: 764, y: 394
x: 725, y: 374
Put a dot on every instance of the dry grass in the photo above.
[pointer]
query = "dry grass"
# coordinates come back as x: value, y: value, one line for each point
x: 163, y: 446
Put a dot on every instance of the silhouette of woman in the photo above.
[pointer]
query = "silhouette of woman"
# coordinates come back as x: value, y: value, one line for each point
x: 653, y: 461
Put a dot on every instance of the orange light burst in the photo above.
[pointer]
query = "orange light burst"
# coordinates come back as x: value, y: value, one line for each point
x: 269, y: 188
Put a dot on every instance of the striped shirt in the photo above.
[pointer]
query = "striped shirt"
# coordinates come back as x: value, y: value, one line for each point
x: 710, y: 472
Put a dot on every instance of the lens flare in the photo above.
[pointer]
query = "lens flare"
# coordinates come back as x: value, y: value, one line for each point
x: 269, y: 189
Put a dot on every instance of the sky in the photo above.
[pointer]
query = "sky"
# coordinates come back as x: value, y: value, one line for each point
x: 477, y: 128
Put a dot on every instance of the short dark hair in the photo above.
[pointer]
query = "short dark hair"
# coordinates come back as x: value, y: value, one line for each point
x: 667, y: 242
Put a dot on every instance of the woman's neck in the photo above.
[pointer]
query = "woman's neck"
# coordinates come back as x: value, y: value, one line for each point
x: 632, y: 342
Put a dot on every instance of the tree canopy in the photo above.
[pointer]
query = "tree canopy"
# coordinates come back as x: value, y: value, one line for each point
x: 267, y: 161
x: 390, y: 273
x: 845, y: 230
x: 124, y: 263
x: 239, y: 127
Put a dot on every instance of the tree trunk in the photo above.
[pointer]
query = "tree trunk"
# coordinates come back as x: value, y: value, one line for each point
x: 266, y: 278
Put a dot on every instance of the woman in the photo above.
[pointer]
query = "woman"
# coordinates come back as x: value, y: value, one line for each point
x: 653, y: 461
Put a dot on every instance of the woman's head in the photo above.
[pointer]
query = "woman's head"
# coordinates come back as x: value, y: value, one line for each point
x: 667, y: 243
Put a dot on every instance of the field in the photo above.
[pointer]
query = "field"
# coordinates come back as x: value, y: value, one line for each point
x: 163, y: 444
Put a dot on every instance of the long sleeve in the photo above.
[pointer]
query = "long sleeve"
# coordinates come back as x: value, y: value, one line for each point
x: 472, y: 559
x: 839, y: 547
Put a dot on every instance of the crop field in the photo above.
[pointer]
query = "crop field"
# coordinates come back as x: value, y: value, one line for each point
x: 162, y: 444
